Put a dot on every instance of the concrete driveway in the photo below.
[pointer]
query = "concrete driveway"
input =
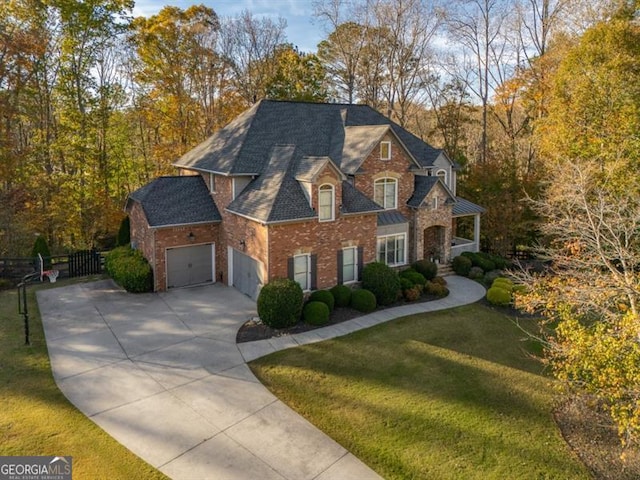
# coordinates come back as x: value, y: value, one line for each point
x: 162, y: 374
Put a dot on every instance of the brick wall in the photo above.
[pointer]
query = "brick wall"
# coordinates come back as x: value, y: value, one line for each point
x: 179, y: 237
x: 323, y: 239
x: 142, y: 237
x: 153, y: 242
x: 428, y: 217
x: 397, y: 167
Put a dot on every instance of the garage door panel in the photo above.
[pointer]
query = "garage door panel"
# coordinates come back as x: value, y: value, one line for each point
x: 189, y: 265
x: 247, y: 274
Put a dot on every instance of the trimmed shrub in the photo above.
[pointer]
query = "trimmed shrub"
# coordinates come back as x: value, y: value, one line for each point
x: 498, y: 296
x: 440, y: 280
x: 280, y: 303
x: 412, y: 294
x: 406, y: 284
x: 500, y: 262
x: 485, y: 264
x: 480, y: 259
x: 130, y: 270
x: 476, y: 273
x: 426, y: 268
x: 124, y: 232
x: 341, y: 295
x: 324, y: 296
x: 434, y: 288
x: 503, y: 282
x: 382, y: 281
x: 471, y: 256
x: 413, y: 276
x: 461, y: 265
x: 491, y: 276
x: 363, y: 300
x: 316, y: 313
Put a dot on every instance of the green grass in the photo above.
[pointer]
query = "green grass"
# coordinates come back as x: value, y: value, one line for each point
x: 36, y: 418
x: 448, y: 395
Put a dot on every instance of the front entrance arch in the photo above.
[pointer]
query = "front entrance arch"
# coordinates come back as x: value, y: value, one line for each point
x: 434, y: 243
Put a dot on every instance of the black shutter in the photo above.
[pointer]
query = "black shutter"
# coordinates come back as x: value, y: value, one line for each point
x: 314, y: 272
x: 360, y: 262
x: 290, y: 268
x: 340, y: 260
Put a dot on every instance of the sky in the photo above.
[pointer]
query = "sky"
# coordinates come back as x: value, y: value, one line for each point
x: 303, y: 30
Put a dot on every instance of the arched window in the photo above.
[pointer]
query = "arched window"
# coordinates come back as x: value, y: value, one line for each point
x: 442, y: 174
x: 326, y: 203
x: 385, y: 193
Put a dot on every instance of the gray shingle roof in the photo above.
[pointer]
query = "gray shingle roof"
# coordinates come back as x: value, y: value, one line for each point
x: 275, y: 196
x: 254, y: 144
x: 354, y: 201
x: 422, y: 187
x: 177, y: 201
x: 464, y: 207
x: 317, y: 129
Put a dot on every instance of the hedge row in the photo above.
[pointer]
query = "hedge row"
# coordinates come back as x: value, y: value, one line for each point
x: 281, y: 302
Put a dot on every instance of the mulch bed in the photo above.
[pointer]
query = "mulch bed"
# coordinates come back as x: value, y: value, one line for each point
x: 254, y: 330
x: 592, y: 436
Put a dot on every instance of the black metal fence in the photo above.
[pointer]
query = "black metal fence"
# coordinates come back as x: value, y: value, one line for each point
x: 76, y: 264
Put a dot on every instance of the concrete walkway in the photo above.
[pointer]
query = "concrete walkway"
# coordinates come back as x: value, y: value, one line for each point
x: 163, y: 375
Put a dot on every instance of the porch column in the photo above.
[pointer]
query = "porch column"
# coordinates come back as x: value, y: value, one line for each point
x: 476, y: 231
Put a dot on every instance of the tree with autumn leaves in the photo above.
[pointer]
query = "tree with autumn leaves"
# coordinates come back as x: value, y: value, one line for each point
x: 590, y: 208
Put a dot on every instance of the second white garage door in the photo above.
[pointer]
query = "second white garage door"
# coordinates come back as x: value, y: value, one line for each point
x: 191, y: 265
x: 247, y: 274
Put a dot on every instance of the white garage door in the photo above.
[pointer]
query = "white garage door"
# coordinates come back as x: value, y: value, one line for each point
x: 190, y: 265
x: 247, y: 274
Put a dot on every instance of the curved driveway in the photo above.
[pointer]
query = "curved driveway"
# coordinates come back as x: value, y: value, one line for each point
x: 163, y: 375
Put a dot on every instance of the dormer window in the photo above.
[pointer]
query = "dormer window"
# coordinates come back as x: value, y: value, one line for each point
x: 326, y: 203
x: 385, y: 150
x: 442, y: 175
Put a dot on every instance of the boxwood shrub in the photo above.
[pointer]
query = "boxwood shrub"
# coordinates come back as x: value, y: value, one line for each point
x: 426, y: 268
x: 498, y: 296
x: 341, y: 295
x: 280, y: 303
x: 415, y: 277
x: 461, y: 265
x: 382, y: 281
x: 412, y: 294
x: 503, y: 282
x: 476, y: 273
x: 363, y: 300
x: 437, y: 289
x: 316, y: 313
x: 129, y: 269
x: 324, y: 296
x: 406, y: 284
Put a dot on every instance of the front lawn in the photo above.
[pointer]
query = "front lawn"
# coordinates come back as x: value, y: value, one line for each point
x: 446, y: 395
x: 36, y: 419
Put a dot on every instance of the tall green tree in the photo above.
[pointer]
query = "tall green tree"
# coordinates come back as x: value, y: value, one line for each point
x: 297, y: 76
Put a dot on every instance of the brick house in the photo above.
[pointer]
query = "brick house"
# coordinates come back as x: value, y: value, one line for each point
x: 301, y: 190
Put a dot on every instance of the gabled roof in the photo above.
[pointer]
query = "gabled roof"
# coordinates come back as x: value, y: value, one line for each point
x: 317, y: 129
x: 309, y: 168
x: 423, y: 186
x: 176, y: 201
x: 274, y: 196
